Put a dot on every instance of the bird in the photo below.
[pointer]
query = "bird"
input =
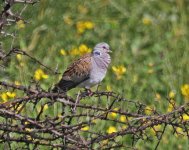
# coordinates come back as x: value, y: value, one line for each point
x: 87, y: 71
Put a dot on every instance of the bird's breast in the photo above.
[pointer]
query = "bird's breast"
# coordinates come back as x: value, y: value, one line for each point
x: 97, y: 74
x: 95, y: 78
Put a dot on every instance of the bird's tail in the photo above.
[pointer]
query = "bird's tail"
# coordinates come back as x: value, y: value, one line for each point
x: 63, y: 86
x: 55, y: 89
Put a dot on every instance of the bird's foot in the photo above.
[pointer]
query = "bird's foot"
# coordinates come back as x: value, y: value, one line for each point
x: 86, y: 93
x: 89, y: 92
x: 76, y: 102
x: 98, y: 86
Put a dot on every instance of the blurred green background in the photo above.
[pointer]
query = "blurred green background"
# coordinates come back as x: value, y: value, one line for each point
x: 149, y: 40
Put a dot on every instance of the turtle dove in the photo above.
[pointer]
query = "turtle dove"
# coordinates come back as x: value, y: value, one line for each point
x: 87, y: 71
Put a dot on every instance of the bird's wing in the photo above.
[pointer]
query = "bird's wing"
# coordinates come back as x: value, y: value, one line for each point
x: 75, y: 74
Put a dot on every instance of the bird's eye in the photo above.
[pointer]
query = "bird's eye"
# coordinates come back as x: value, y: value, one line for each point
x: 104, y: 47
x: 97, y: 53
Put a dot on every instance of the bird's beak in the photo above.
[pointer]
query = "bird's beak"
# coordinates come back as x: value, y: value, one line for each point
x: 109, y: 51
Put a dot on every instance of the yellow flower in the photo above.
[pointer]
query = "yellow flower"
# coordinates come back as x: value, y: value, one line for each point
x: 39, y: 74
x: 11, y: 94
x: 19, y: 108
x: 83, y: 25
x: 95, y: 121
x: 170, y: 108
x: 185, y: 117
x: 17, y: 83
x: 86, y: 128
x: 180, y: 133
x: 148, y: 110
x: 4, y: 97
x: 155, y: 128
x: 20, y: 24
x: 171, y: 95
x: 122, y: 118
x: 83, y: 49
x: 7, y: 95
x: 157, y: 96
x: 179, y: 130
x: 45, y: 107
x: 146, y: 21
x: 19, y: 57
x: 108, y: 88
x: 45, y: 76
x: 28, y: 137
x: 62, y: 52
x: 74, y: 51
x: 28, y: 129
x: 124, y: 127
x: 119, y: 71
x: 185, y: 90
x: 113, y: 115
x: 59, y: 115
x: 104, y: 142
x: 111, y: 129
x: 26, y: 122
x: 80, y: 27
x: 89, y: 25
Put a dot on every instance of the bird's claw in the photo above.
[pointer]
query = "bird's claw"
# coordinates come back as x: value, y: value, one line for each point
x: 89, y: 92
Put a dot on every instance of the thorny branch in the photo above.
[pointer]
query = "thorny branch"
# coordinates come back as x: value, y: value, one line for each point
x: 58, y: 127
x: 19, y: 51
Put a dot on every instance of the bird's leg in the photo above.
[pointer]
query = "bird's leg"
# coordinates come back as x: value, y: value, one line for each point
x: 77, y: 101
x: 89, y: 92
x: 97, y: 89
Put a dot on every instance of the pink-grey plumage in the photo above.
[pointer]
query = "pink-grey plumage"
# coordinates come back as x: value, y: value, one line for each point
x: 87, y: 71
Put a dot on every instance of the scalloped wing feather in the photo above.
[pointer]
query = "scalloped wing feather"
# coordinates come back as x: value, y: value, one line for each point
x: 76, y: 73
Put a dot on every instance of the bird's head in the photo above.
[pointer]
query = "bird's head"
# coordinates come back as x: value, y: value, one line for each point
x: 101, y: 48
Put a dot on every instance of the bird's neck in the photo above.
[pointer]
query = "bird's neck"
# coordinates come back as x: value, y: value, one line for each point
x: 102, y: 62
